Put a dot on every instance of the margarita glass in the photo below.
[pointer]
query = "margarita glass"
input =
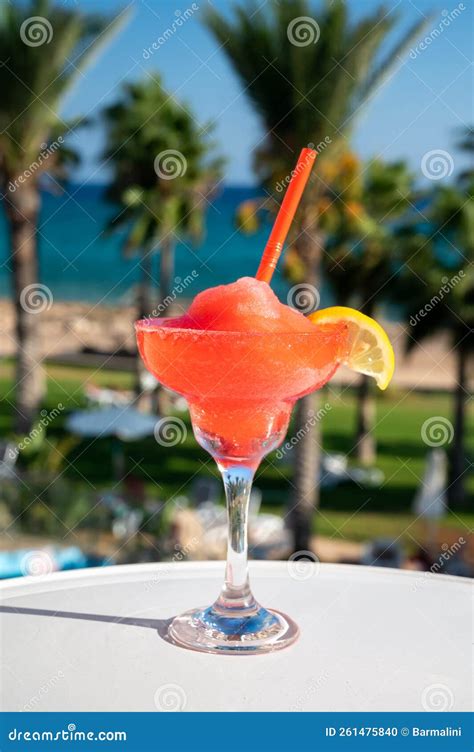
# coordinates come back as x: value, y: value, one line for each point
x: 242, y: 359
x: 240, y: 387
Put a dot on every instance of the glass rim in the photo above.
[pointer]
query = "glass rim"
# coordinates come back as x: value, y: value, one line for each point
x: 157, y: 324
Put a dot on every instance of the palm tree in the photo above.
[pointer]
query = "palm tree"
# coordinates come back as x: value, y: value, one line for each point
x: 43, y: 50
x: 308, y: 74
x: 466, y: 144
x: 362, y: 256
x: 436, y: 292
x: 164, y: 173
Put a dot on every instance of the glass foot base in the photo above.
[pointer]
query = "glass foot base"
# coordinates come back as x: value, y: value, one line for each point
x: 210, y: 631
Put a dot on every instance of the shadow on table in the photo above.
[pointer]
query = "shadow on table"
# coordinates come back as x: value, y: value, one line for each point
x: 161, y: 625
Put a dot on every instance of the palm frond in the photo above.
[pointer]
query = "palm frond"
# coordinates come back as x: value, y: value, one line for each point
x: 305, y: 92
x: 148, y: 133
x: 35, y: 78
x: 104, y: 37
x: 392, y: 60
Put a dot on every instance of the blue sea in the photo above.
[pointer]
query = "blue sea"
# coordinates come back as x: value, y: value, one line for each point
x: 79, y: 261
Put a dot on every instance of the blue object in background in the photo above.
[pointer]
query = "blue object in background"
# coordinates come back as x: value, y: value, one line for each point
x: 26, y: 561
x: 87, y: 264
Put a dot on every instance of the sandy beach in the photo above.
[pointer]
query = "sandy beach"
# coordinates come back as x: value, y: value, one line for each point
x: 79, y: 332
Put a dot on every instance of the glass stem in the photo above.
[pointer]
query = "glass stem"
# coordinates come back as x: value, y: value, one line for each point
x: 236, y: 594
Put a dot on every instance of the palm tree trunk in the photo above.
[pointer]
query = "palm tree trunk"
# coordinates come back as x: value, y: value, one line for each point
x: 365, y: 449
x: 457, y: 491
x: 143, y: 296
x: 22, y: 208
x: 162, y: 396
x: 307, y: 451
x: 166, y: 270
x: 307, y: 457
x: 143, y: 310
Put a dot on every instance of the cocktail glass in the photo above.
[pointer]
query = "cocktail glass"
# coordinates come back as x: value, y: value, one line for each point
x: 240, y: 388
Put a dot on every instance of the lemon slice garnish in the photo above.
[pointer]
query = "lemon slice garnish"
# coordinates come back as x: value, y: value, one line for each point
x: 368, y: 349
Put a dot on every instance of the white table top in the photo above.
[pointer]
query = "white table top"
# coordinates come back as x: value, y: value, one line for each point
x: 371, y: 640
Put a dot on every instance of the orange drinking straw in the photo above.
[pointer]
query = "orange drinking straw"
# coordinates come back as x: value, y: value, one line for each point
x: 289, y: 205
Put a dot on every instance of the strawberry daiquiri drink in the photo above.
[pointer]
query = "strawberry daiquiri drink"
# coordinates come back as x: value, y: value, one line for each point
x: 242, y: 359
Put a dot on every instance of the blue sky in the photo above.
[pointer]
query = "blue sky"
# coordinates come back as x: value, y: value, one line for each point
x: 418, y: 110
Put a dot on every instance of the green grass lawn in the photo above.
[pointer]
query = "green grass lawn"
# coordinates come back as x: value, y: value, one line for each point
x: 348, y: 511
